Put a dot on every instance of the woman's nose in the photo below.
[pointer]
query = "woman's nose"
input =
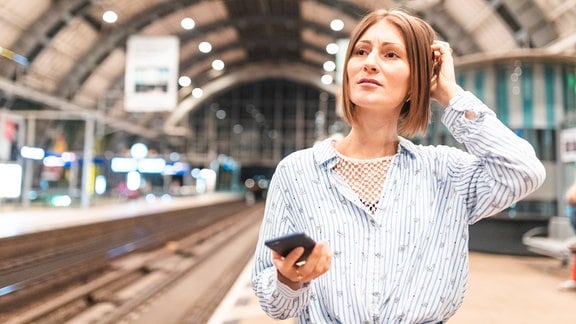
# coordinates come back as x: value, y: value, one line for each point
x: 370, y: 63
x: 369, y: 67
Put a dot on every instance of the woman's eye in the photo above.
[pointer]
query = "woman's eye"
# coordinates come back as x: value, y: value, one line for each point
x: 361, y: 51
x: 390, y: 55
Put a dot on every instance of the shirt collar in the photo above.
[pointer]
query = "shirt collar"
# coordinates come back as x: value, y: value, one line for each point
x: 325, y: 153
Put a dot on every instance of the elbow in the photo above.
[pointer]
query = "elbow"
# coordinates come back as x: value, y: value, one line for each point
x: 534, y: 177
x: 539, y: 175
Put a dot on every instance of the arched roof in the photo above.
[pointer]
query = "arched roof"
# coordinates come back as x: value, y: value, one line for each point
x: 75, y: 61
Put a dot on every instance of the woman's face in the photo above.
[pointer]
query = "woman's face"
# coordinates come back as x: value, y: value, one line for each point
x: 378, y: 69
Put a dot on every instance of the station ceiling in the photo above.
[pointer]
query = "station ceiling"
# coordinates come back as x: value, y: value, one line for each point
x: 60, y: 55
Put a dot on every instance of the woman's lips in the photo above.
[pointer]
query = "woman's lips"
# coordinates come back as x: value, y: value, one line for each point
x: 369, y: 81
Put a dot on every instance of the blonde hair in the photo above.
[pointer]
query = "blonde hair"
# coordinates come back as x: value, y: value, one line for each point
x: 418, y: 36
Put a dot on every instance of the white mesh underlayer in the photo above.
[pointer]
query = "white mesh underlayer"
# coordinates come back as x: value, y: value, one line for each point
x: 365, y: 177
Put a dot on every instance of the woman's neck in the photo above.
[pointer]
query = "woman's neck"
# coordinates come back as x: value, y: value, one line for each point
x: 368, y: 145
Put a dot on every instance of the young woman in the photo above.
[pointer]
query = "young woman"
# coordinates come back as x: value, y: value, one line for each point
x: 390, y: 217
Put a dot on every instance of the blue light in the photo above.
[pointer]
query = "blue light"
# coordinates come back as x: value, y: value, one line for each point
x: 22, y: 60
x: 8, y: 289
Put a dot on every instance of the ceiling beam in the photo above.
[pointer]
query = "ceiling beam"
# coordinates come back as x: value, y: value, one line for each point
x: 36, y: 36
x: 82, y: 68
x: 116, y: 37
x: 58, y: 103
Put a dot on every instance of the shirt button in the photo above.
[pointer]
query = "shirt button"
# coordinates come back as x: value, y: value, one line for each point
x: 373, y: 308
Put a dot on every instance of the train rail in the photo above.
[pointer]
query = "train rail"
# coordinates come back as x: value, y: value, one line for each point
x: 106, y: 279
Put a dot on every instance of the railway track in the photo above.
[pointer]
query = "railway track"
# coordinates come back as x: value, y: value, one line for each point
x: 113, y: 290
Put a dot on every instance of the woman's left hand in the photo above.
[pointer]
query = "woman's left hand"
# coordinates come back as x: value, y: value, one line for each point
x: 295, y: 276
x: 443, y: 85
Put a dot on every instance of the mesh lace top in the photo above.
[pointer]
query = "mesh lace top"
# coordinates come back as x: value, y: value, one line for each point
x: 365, y: 177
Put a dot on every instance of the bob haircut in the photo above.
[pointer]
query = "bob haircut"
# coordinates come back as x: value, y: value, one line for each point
x: 418, y: 37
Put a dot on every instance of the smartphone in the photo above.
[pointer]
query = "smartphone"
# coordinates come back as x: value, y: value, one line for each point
x: 284, y: 244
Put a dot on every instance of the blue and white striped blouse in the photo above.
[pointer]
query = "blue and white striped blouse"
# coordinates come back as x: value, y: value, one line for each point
x: 409, y: 262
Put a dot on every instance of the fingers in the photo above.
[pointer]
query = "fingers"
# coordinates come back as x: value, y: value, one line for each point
x: 317, y: 263
x: 287, y: 265
x: 298, y: 274
x: 442, y: 47
x: 289, y: 260
x: 441, y: 52
x: 443, y: 82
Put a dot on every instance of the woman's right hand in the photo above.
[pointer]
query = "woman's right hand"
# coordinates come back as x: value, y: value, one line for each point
x: 317, y: 263
x: 443, y: 86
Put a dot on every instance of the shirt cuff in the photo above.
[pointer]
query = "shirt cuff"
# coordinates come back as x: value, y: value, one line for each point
x: 287, y: 292
x: 459, y: 126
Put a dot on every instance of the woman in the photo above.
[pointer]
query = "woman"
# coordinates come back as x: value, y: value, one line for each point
x: 390, y: 217
x: 571, y: 213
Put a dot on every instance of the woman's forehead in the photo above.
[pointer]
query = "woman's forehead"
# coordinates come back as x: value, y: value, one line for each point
x: 382, y: 32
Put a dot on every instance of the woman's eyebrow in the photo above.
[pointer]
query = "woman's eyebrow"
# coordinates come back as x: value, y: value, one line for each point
x: 382, y: 44
x: 364, y: 41
x: 391, y: 43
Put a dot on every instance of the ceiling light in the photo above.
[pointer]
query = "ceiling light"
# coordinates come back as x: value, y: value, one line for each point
x: 205, y: 47
x: 197, y: 92
x: 218, y: 65
x: 238, y: 129
x: 329, y: 66
x: 221, y: 114
x: 109, y: 16
x: 332, y: 48
x: 327, y: 79
x: 139, y: 150
x: 188, y: 23
x: 184, y: 81
x: 337, y: 25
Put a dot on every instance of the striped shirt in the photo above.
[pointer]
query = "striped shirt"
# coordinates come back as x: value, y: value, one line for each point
x: 407, y: 262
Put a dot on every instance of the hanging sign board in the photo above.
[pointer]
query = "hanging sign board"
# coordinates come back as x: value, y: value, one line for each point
x: 151, y: 78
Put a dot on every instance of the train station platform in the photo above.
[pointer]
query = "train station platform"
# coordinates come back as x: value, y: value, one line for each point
x: 21, y: 221
x: 503, y: 290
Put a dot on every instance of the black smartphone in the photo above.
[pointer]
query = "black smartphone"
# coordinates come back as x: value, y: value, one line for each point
x: 284, y: 244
